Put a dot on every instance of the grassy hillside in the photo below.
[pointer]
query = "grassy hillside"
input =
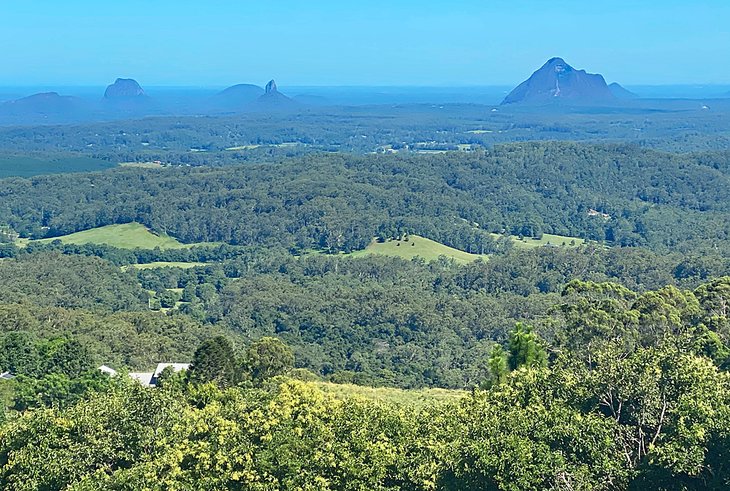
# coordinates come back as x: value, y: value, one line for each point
x: 417, y: 246
x: 389, y: 394
x: 164, y: 264
x: 125, y: 236
x: 547, y: 239
x: 142, y: 165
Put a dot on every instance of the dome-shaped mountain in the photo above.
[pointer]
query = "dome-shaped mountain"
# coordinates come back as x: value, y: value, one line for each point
x: 124, y: 88
x: 236, y: 97
x: 45, y: 106
x: 558, y: 81
x: 621, y: 92
x: 51, y: 101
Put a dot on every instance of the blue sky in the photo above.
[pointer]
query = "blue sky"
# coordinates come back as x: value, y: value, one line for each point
x: 368, y: 42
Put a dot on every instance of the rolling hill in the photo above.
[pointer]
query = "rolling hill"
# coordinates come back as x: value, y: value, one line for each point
x: 417, y: 246
x: 124, y: 236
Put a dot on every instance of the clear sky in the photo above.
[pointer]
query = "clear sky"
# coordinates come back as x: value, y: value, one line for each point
x: 367, y: 42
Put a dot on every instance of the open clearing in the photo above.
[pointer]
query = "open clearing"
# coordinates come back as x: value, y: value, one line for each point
x: 242, y: 147
x: 417, y: 246
x: 415, y: 397
x: 124, y: 236
x: 143, y: 165
x: 548, y: 240
x: 164, y: 264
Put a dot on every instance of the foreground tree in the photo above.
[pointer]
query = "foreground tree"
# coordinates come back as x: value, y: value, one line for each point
x: 267, y: 358
x: 214, y: 361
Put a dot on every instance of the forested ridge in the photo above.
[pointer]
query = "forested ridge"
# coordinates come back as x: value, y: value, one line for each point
x: 338, y: 203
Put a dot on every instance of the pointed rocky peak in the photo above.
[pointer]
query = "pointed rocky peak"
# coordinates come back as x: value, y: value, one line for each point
x: 556, y: 81
x: 125, y: 88
x: 557, y: 63
x: 273, y: 100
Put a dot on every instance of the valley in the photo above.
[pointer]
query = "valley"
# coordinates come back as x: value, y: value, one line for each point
x: 284, y: 247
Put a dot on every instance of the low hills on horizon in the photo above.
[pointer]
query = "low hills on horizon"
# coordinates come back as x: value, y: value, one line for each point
x: 556, y: 84
x: 127, y: 98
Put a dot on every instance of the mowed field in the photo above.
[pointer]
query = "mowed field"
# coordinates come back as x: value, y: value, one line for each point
x: 548, y: 240
x: 165, y: 264
x: 11, y: 166
x: 412, y: 397
x: 417, y: 246
x: 124, y: 236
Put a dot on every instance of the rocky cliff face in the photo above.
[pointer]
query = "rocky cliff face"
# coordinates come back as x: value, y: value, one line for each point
x: 124, y: 88
x: 558, y: 81
x: 273, y: 100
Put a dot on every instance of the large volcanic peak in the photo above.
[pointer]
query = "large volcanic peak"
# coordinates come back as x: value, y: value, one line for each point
x: 556, y: 80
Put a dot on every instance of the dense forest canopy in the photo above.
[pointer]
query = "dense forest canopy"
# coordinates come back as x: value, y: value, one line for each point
x: 618, y: 194
x: 572, y: 365
x: 621, y: 391
x: 374, y: 320
x: 677, y: 125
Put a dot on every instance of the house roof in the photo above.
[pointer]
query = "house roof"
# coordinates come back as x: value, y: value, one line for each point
x: 144, y: 378
x: 148, y: 379
x: 176, y: 367
x: 6, y: 376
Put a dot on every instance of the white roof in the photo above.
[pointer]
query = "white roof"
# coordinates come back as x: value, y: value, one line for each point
x: 176, y: 367
x: 6, y: 376
x: 144, y: 378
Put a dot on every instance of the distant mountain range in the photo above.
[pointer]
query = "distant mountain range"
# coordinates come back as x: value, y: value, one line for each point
x: 557, y: 81
x: 554, y: 85
x: 126, y: 98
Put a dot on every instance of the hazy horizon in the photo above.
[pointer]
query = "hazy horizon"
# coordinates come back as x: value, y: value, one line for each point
x: 336, y: 44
